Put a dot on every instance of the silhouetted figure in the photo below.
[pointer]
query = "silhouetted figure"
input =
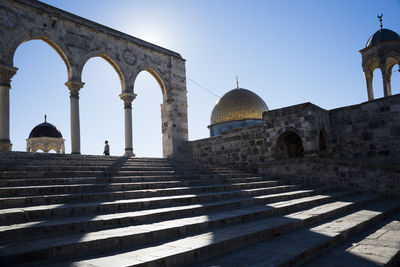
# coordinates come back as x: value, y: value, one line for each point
x: 106, y: 149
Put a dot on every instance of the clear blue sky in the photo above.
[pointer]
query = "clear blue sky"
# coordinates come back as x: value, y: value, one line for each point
x: 288, y: 52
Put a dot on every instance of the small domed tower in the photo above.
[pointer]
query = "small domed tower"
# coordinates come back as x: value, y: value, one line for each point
x: 45, y: 137
x: 235, y: 109
x: 382, y: 51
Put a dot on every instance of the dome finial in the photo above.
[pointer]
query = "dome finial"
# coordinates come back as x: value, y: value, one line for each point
x: 380, y: 19
x: 45, y: 118
x: 237, y: 82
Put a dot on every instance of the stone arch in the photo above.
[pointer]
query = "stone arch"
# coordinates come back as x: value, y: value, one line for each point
x: 392, y: 61
x: 323, y: 142
x: 289, y: 145
x: 3, y: 52
x: 156, y: 74
x: 371, y: 64
x: 107, y: 57
x: 46, y: 144
x: 392, y: 58
x: 43, y: 36
x: 158, y: 79
x: 166, y: 117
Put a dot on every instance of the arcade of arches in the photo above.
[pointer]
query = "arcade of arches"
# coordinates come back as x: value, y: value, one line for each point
x: 77, y: 40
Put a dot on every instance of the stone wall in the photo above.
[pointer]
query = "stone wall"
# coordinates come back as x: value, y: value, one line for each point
x: 341, y: 147
x: 237, y: 148
x: 248, y: 145
x: 369, y: 131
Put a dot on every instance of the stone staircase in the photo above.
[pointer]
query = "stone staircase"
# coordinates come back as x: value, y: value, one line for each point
x: 63, y: 210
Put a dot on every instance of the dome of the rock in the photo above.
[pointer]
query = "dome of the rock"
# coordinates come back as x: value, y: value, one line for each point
x: 237, y: 108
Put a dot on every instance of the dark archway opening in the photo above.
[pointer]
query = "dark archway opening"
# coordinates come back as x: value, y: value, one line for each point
x: 322, y: 141
x: 289, y: 145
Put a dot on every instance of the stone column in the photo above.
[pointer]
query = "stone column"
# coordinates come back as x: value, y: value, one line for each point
x: 386, y: 91
x: 389, y: 81
x: 368, y: 78
x: 74, y: 87
x: 6, y: 73
x: 128, y: 97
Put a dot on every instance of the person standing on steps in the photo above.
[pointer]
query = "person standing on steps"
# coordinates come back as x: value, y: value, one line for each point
x: 106, y: 149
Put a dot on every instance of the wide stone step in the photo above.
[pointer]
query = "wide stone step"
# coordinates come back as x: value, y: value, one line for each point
x: 7, y: 164
x: 60, y: 157
x: 144, y: 173
x: 144, y: 163
x: 79, y: 188
x: 121, y: 179
x: 146, y: 168
x: 149, y: 160
x: 141, y: 189
x: 242, y: 189
x: 194, y: 238
x: 20, y: 214
x: 45, y: 174
x: 57, y: 161
x: 47, y: 168
x: 188, y: 175
x: 295, y: 248
x: 379, y: 246
x: 102, y: 240
x: 212, y: 175
x: 86, y: 223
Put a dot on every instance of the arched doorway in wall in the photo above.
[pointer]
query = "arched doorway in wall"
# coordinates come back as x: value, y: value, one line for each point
x: 289, y: 145
x: 323, y: 142
x: 146, y: 113
x: 101, y: 109
x: 38, y: 88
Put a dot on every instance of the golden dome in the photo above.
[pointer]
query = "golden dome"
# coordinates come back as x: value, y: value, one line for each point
x: 238, y: 104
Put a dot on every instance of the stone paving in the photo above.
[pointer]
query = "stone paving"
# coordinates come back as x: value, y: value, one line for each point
x: 156, y: 212
x: 380, y: 247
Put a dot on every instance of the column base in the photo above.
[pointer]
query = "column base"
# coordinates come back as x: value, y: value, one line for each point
x: 76, y: 153
x: 5, y: 145
x: 129, y: 152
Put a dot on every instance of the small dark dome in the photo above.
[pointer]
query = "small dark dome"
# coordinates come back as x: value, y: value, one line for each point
x: 45, y: 129
x: 382, y: 35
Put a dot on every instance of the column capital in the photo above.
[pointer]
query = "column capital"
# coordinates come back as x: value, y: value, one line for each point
x: 74, y: 87
x: 6, y: 73
x: 127, y: 97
